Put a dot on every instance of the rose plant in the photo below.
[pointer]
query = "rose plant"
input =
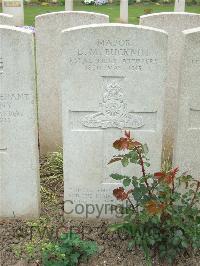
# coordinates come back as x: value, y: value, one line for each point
x: 163, y: 217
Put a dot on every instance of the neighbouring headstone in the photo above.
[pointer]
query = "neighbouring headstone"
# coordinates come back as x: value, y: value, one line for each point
x: 187, y: 149
x: 112, y: 78
x: 6, y: 19
x: 173, y: 24
x: 179, y: 6
x: 15, y: 8
x: 48, y: 49
x: 19, y: 174
x: 124, y: 11
x: 69, y: 5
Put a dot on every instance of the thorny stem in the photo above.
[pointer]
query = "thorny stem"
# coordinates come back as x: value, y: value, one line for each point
x: 141, y: 162
x: 143, y: 171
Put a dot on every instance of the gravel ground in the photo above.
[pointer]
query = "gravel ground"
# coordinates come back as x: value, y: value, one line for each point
x: 113, y: 247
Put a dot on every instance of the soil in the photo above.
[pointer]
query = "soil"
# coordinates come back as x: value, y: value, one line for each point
x: 113, y: 249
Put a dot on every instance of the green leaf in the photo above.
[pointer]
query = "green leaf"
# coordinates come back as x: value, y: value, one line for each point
x: 115, y: 227
x: 147, y: 164
x: 137, y: 194
x: 131, y: 245
x: 126, y: 182
x: 118, y: 177
x: 133, y: 157
x: 134, y: 181
x: 176, y: 240
x: 125, y: 161
x: 184, y: 244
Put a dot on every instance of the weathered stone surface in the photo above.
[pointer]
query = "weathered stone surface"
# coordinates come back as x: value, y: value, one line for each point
x: 112, y: 78
x: 6, y: 19
x: 124, y: 11
x: 173, y: 23
x: 179, y: 6
x: 15, y: 8
x: 187, y: 151
x: 48, y: 29
x: 69, y: 5
x: 19, y: 195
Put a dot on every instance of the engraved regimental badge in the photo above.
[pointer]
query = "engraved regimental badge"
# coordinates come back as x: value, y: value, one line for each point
x: 114, y: 111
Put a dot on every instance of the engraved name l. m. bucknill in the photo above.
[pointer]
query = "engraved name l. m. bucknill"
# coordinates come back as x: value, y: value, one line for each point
x: 114, y: 111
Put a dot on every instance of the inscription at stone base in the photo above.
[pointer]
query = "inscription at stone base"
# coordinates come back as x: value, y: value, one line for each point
x: 97, y: 202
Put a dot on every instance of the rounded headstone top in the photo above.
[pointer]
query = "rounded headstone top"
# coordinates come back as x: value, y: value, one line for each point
x: 71, y: 13
x: 6, y: 19
x: 16, y: 29
x: 6, y: 15
x: 171, y: 21
x: 168, y: 14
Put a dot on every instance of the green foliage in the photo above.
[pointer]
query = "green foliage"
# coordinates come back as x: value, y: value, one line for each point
x: 61, y: 2
x: 130, y: 2
x: 40, y: 232
x: 51, y: 173
x: 68, y: 251
x: 163, y: 214
x: 50, y: 250
x: 53, y: 164
x: 30, y: 250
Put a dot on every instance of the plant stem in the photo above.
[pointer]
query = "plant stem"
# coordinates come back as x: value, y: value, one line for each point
x: 131, y: 204
x: 143, y: 170
x: 141, y: 162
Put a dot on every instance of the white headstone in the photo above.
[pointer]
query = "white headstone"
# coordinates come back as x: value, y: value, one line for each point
x: 124, y: 11
x: 69, y: 5
x: 113, y: 78
x: 48, y: 49
x: 179, y: 6
x: 15, y: 8
x: 19, y: 188
x: 173, y: 24
x: 187, y: 151
x: 6, y: 19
